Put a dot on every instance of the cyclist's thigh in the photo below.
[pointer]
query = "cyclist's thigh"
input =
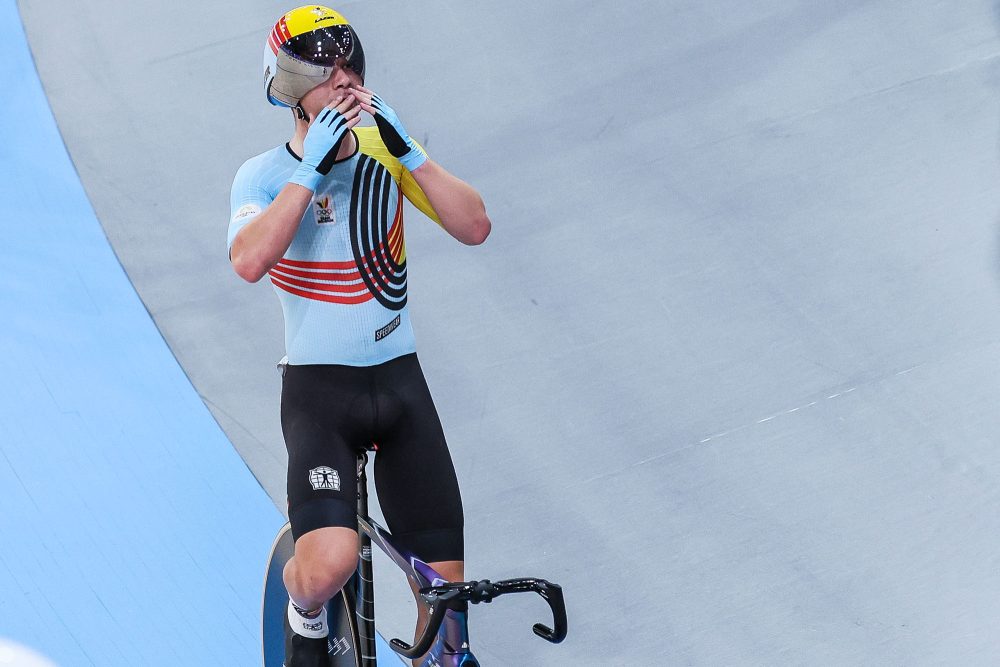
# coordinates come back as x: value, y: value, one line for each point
x: 321, y: 415
x: 414, y: 474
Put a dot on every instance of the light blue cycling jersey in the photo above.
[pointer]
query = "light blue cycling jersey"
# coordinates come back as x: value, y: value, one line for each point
x: 342, y: 282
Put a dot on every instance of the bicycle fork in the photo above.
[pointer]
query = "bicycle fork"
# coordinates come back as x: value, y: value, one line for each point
x: 451, y: 648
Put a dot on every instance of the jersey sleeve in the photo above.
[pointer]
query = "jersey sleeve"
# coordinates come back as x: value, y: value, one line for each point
x: 248, y: 199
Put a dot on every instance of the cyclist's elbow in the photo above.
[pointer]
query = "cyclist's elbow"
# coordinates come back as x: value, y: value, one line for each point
x: 478, y: 230
x: 244, y: 267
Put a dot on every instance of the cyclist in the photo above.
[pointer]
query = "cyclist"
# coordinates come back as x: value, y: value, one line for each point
x: 322, y: 217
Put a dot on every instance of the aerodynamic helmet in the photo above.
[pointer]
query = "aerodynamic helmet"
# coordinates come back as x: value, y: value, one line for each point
x: 302, y: 49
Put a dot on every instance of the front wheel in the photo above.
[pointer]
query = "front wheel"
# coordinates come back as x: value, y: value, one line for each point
x: 343, y: 643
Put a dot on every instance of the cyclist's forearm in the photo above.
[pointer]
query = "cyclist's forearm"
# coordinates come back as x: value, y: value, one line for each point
x: 259, y: 245
x: 457, y: 204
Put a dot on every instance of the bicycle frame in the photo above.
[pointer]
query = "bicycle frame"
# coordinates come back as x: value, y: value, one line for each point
x: 445, y: 640
x: 451, y: 648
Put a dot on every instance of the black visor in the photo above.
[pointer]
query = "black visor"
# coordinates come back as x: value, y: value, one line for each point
x: 325, y: 46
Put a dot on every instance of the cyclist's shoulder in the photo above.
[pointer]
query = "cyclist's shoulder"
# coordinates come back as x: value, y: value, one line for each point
x: 265, y: 164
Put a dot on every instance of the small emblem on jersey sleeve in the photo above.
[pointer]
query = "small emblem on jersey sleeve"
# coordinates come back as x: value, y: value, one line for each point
x: 324, y: 210
x: 325, y: 479
x: 245, y: 212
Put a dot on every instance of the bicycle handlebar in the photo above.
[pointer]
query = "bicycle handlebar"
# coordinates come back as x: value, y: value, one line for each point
x: 455, y: 596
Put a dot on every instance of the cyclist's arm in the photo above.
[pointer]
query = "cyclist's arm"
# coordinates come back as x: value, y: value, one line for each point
x: 264, y: 240
x: 263, y: 229
x: 458, y: 206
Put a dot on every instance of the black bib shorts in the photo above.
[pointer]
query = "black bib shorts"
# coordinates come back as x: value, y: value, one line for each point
x: 330, y: 413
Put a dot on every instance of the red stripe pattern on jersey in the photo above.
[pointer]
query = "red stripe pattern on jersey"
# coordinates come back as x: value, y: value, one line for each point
x: 340, y: 282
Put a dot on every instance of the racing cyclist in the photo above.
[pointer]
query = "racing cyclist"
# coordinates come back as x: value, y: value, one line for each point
x: 322, y: 217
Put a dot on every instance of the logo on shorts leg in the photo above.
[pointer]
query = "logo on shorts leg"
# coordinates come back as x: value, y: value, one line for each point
x: 324, y: 479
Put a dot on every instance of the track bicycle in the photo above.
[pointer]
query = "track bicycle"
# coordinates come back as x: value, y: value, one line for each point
x: 351, y: 613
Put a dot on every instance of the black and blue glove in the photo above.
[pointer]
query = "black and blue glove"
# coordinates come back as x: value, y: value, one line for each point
x: 394, y: 135
x: 321, y: 145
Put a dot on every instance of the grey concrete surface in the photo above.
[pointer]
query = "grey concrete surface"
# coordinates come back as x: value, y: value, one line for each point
x: 727, y: 367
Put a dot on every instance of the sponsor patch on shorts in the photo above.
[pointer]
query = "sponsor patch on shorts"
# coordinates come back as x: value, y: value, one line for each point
x: 387, y: 329
x: 324, y: 478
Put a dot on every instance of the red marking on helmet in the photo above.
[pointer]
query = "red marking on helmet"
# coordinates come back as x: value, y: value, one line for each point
x: 282, y: 29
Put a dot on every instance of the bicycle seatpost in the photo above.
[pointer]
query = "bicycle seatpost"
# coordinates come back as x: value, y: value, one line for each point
x: 366, y: 589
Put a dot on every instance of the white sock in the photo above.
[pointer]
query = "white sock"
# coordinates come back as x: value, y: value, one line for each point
x: 313, y: 628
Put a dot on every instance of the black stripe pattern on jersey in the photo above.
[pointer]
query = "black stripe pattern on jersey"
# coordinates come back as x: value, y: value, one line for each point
x: 370, y: 224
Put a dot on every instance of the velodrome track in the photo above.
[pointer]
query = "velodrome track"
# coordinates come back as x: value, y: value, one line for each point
x: 727, y: 368
x: 127, y: 516
x: 132, y: 533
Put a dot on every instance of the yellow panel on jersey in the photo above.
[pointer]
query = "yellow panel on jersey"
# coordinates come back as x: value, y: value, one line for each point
x: 371, y: 143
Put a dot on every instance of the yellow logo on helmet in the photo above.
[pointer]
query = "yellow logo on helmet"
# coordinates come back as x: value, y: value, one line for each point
x: 304, y: 19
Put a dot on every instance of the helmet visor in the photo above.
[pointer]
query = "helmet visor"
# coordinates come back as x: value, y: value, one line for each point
x: 326, y: 46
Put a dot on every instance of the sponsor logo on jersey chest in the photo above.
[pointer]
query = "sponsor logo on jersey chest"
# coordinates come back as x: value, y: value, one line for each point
x: 324, y: 211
